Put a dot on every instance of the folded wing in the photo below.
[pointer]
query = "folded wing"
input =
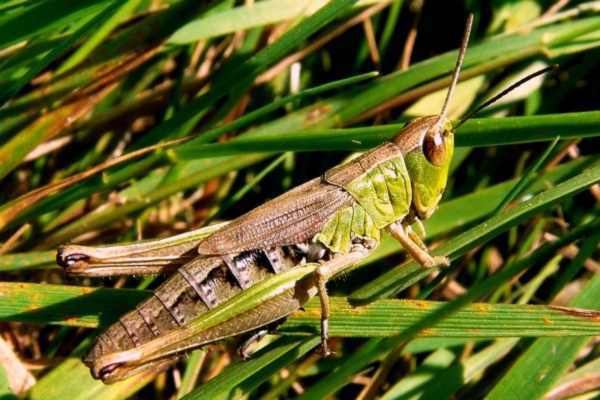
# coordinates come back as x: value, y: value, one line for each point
x: 294, y: 217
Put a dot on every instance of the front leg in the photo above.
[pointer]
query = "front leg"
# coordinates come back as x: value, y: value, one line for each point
x: 421, y: 255
x: 327, y: 270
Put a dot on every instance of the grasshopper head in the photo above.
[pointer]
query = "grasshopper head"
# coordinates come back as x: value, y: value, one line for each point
x: 428, y: 145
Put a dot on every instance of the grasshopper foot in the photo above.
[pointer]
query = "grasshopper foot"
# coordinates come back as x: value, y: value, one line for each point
x: 441, y: 261
x: 435, y: 262
x: 244, y: 350
x: 325, y: 351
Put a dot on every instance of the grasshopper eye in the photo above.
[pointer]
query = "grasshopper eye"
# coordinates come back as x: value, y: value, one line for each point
x: 434, y: 148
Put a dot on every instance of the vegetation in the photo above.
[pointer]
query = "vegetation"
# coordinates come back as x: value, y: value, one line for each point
x: 138, y: 119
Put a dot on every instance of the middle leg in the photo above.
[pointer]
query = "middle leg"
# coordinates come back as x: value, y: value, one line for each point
x: 327, y: 270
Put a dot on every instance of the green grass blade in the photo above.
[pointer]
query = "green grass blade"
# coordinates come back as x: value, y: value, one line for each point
x: 474, y: 133
x: 103, y: 30
x: 586, y: 251
x: 517, y: 190
x: 193, y: 368
x: 40, y: 63
x: 81, y: 385
x: 248, y: 374
x: 246, y: 17
x: 412, y: 385
x: 43, y: 17
x: 558, y: 355
x: 382, y: 318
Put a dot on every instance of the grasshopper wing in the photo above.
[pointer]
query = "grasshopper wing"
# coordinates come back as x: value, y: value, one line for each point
x: 294, y: 217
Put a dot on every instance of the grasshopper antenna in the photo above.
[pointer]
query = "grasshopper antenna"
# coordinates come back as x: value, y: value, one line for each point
x: 457, y: 67
x: 506, y: 91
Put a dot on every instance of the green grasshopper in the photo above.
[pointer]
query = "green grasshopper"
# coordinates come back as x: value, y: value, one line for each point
x: 331, y: 222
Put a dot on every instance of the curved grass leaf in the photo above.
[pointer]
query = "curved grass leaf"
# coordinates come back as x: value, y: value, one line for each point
x: 475, y: 132
x: 383, y: 318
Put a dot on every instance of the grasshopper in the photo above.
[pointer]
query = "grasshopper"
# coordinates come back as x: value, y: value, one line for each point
x: 333, y: 221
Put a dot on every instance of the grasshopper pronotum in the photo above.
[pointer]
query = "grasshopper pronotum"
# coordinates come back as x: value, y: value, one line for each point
x: 334, y: 220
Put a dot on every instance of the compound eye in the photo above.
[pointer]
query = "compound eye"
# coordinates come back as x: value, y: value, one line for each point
x: 434, y: 148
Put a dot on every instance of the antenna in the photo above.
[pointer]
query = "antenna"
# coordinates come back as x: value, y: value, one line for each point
x: 456, y: 73
x: 506, y: 91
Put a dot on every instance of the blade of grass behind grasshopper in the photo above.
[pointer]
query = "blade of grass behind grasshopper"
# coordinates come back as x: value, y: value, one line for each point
x: 117, y: 15
x: 13, y: 209
x: 193, y: 367
x: 586, y: 251
x: 526, y: 178
x: 410, y: 386
x: 474, y: 133
x: 38, y: 64
x: 238, y: 78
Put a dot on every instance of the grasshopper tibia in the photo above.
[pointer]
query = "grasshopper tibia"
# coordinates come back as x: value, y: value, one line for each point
x: 327, y: 270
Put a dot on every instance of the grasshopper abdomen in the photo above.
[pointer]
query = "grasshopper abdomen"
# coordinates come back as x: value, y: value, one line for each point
x: 195, y: 288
